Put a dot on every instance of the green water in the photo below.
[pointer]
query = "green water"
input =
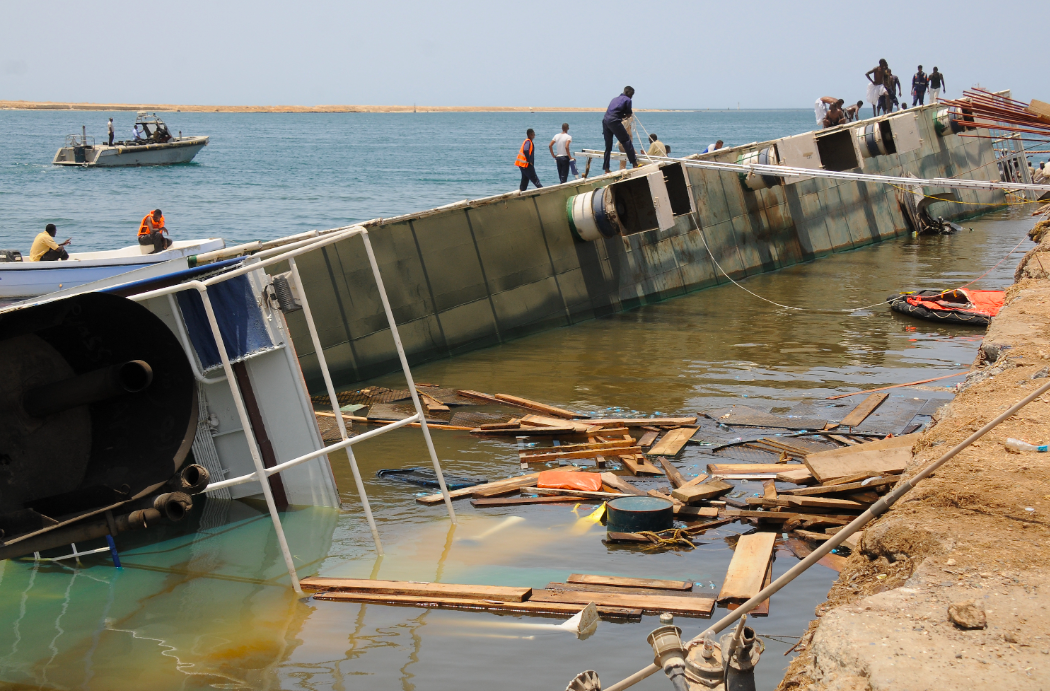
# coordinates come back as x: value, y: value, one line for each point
x: 212, y: 608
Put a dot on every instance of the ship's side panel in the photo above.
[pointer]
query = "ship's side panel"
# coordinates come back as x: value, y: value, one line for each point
x: 480, y: 273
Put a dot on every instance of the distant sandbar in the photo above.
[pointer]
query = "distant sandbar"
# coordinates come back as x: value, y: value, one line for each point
x: 167, y: 107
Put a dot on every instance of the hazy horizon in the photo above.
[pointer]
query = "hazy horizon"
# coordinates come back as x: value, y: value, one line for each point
x: 678, y: 55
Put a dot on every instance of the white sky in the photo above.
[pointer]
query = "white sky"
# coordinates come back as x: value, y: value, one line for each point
x: 676, y: 53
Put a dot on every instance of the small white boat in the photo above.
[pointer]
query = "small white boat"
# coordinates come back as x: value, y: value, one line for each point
x: 23, y: 279
x: 156, y: 147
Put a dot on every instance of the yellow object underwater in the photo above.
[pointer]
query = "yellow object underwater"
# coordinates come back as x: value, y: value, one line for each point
x: 585, y: 523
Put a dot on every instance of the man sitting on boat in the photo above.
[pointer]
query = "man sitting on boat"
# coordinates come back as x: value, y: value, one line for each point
x: 152, y: 230
x: 45, y: 249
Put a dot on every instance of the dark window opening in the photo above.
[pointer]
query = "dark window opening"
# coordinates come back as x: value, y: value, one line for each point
x: 836, y: 151
x: 887, y: 137
x: 634, y: 205
x: 677, y: 189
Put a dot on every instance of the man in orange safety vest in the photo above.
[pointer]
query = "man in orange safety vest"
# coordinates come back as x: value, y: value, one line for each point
x: 152, y: 230
x: 526, y: 161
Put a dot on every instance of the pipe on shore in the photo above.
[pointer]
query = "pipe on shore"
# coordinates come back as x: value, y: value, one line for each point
x: 98, y: 385
x: 875, y: 510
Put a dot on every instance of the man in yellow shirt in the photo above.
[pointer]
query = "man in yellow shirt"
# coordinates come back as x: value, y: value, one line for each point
x: 45, y: 249
x: 656, y: 147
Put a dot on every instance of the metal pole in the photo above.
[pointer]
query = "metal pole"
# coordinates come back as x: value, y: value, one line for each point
x: 408, y: 376
x: 335, y: 403
x: 838, y: 538
x: 249, y: 435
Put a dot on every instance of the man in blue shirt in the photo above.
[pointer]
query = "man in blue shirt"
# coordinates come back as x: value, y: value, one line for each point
x: 612, y: 125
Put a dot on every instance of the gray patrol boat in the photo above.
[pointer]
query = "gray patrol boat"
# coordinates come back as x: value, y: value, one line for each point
x: 154, y: 145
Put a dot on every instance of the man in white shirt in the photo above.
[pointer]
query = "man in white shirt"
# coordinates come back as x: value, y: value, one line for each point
x: 559, y: 148
x: 111, y: 131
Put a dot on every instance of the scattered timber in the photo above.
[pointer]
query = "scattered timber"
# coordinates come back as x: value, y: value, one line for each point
x: 673, y: 442
x: 888, y: 455
x: 673, y: 476
x: 747, y: 569
x: 658, y: 584
x: 866, y: 408
x: 359, y: 585
x: 639, y: 465
x: 702, y: 492
x: 528, y: 607
x: 729, y: 469
x: 846, y: 487
x: 649, y: 604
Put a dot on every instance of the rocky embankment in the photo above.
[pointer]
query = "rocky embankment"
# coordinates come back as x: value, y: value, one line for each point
x: 950, y: 589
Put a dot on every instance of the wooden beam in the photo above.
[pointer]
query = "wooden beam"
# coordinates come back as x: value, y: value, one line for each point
x: 823, y: 503
x: 673, y: 476
x: 521, y: 501
x: 673, y: 442
x: 846, y: 487
x: 892, y: 454
x: 639, y: 465
x: 617, y: 482
x: 648, y: 438
x: 603, y: 496
x: 751, y: 468
x: 528, y: 607
x: 748, y: 567
x: 799, y: 476
x: 534, y: 405
x: 550, y: 455
x: 702, y: 492
x: 593, y: 579
x: 362, y: 585
x: 590, y: 446
x: 866, y: 408
x: 649, y: 604
x: 644, y: 421
x: 686, y: 513
x: 699, y: 479
x: 470, y: 491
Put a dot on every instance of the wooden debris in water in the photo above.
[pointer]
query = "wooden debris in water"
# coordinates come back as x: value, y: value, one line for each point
x: 673, y: 442
x: 866, y: 408
x: 591, y: 579
x: 887, y: 455
x: 747, y: 569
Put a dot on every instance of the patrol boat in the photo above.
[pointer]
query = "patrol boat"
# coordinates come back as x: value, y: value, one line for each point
x: 154, y: 146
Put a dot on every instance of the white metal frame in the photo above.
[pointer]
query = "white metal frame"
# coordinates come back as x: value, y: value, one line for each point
x: 262, y: 474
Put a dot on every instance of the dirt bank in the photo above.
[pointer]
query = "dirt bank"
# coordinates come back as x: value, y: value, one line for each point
x: 171, y: 108
x: 976, y: 531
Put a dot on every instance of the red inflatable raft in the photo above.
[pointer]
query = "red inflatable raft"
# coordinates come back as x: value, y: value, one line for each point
x: 961, y: 306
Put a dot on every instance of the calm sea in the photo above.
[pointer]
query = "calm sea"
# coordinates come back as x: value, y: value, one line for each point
x: 267, y: 175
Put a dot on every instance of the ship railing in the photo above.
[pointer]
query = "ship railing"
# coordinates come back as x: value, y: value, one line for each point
x: 78, y: 140
x: 261, y: 260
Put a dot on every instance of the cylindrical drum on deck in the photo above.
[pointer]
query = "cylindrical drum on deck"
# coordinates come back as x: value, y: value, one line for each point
x: 871, y: 141
x: 766, y: 157
x: 636, y: 514
x: 589, y: 215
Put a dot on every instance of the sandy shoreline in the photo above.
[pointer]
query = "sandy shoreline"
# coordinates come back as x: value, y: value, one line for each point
x: 171, y: 108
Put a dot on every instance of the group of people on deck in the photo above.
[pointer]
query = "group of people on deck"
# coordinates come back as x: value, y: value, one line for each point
x: 884, y: 92
x: 152, y: 232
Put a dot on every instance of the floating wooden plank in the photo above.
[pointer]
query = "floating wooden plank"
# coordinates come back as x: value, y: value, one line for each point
x: 673, y: 442
x: 823, y: 503
x: 799, y: 476
x: 623, y: 590
x: 535, y: 405
x: 546, y: 421
x: 528, y: 607
x: 432, y: 404
x: 509, y: 424
x: 364, y: 585
x: 772, y: 516
x: 524, y: 432
x: 643, y: 421
x: 469, y: 491
x: 860, y: 477
x: 699, y: 479
x: 744, y: 416
x: 590, y: 446
x: 845, y: 440
x: 762, y: 608
x: 478, y: 396
x: 649, y: 604
x: 617, y: 482
x: 687, y: 513
x: 553, y: 491
x: 656, y: 583
x: 846, y: 487
x: 769, y: 489
x: 891, y: 454
x: 522, y: 501
x: 725, y: 469
x: 551, y: 455
x: 747, y: 569
x: 639, y: 465
x: 524, y: 481
x: 810, y: 535
x: 626, y: 537
x: 648, y: 438
x: 673, y: 476
x: 866, y: 408
x: 698, y: 493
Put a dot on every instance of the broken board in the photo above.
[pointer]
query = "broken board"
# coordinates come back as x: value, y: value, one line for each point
x: 887, y: 455
x: 620, y: 581
x: 528, y: 607
x: 649, y: 604
x: 673, y: 442
x: 747, y: 569
x: 364, y: 585
x: 639, y: 465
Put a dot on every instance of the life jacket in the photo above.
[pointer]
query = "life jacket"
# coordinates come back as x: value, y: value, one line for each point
x: 148, y: 225
x: 523, y: 161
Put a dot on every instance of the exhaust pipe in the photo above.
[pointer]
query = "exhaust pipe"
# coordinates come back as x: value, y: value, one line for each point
x: 99, y: 385
x: 742, y: 651
x: 193, y: 479
x: 173, y: 505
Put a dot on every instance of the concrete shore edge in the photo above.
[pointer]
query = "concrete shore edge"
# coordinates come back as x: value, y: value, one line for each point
x: 975, y: 535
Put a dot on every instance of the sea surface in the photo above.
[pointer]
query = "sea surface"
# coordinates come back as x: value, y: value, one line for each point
x: 208, y: 606
x: 263, y: 176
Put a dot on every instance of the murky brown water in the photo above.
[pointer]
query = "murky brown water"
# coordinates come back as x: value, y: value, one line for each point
x: 211, y: 609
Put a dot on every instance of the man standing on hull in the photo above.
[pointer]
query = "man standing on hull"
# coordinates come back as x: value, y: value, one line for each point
x: 526, y: 161
x: 612, y: 126
x: 559, y: 148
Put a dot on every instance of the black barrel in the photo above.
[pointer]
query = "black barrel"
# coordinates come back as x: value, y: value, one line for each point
x: 636, y: 514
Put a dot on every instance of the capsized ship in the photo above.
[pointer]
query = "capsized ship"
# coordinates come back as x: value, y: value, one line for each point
x: 155, y: 146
